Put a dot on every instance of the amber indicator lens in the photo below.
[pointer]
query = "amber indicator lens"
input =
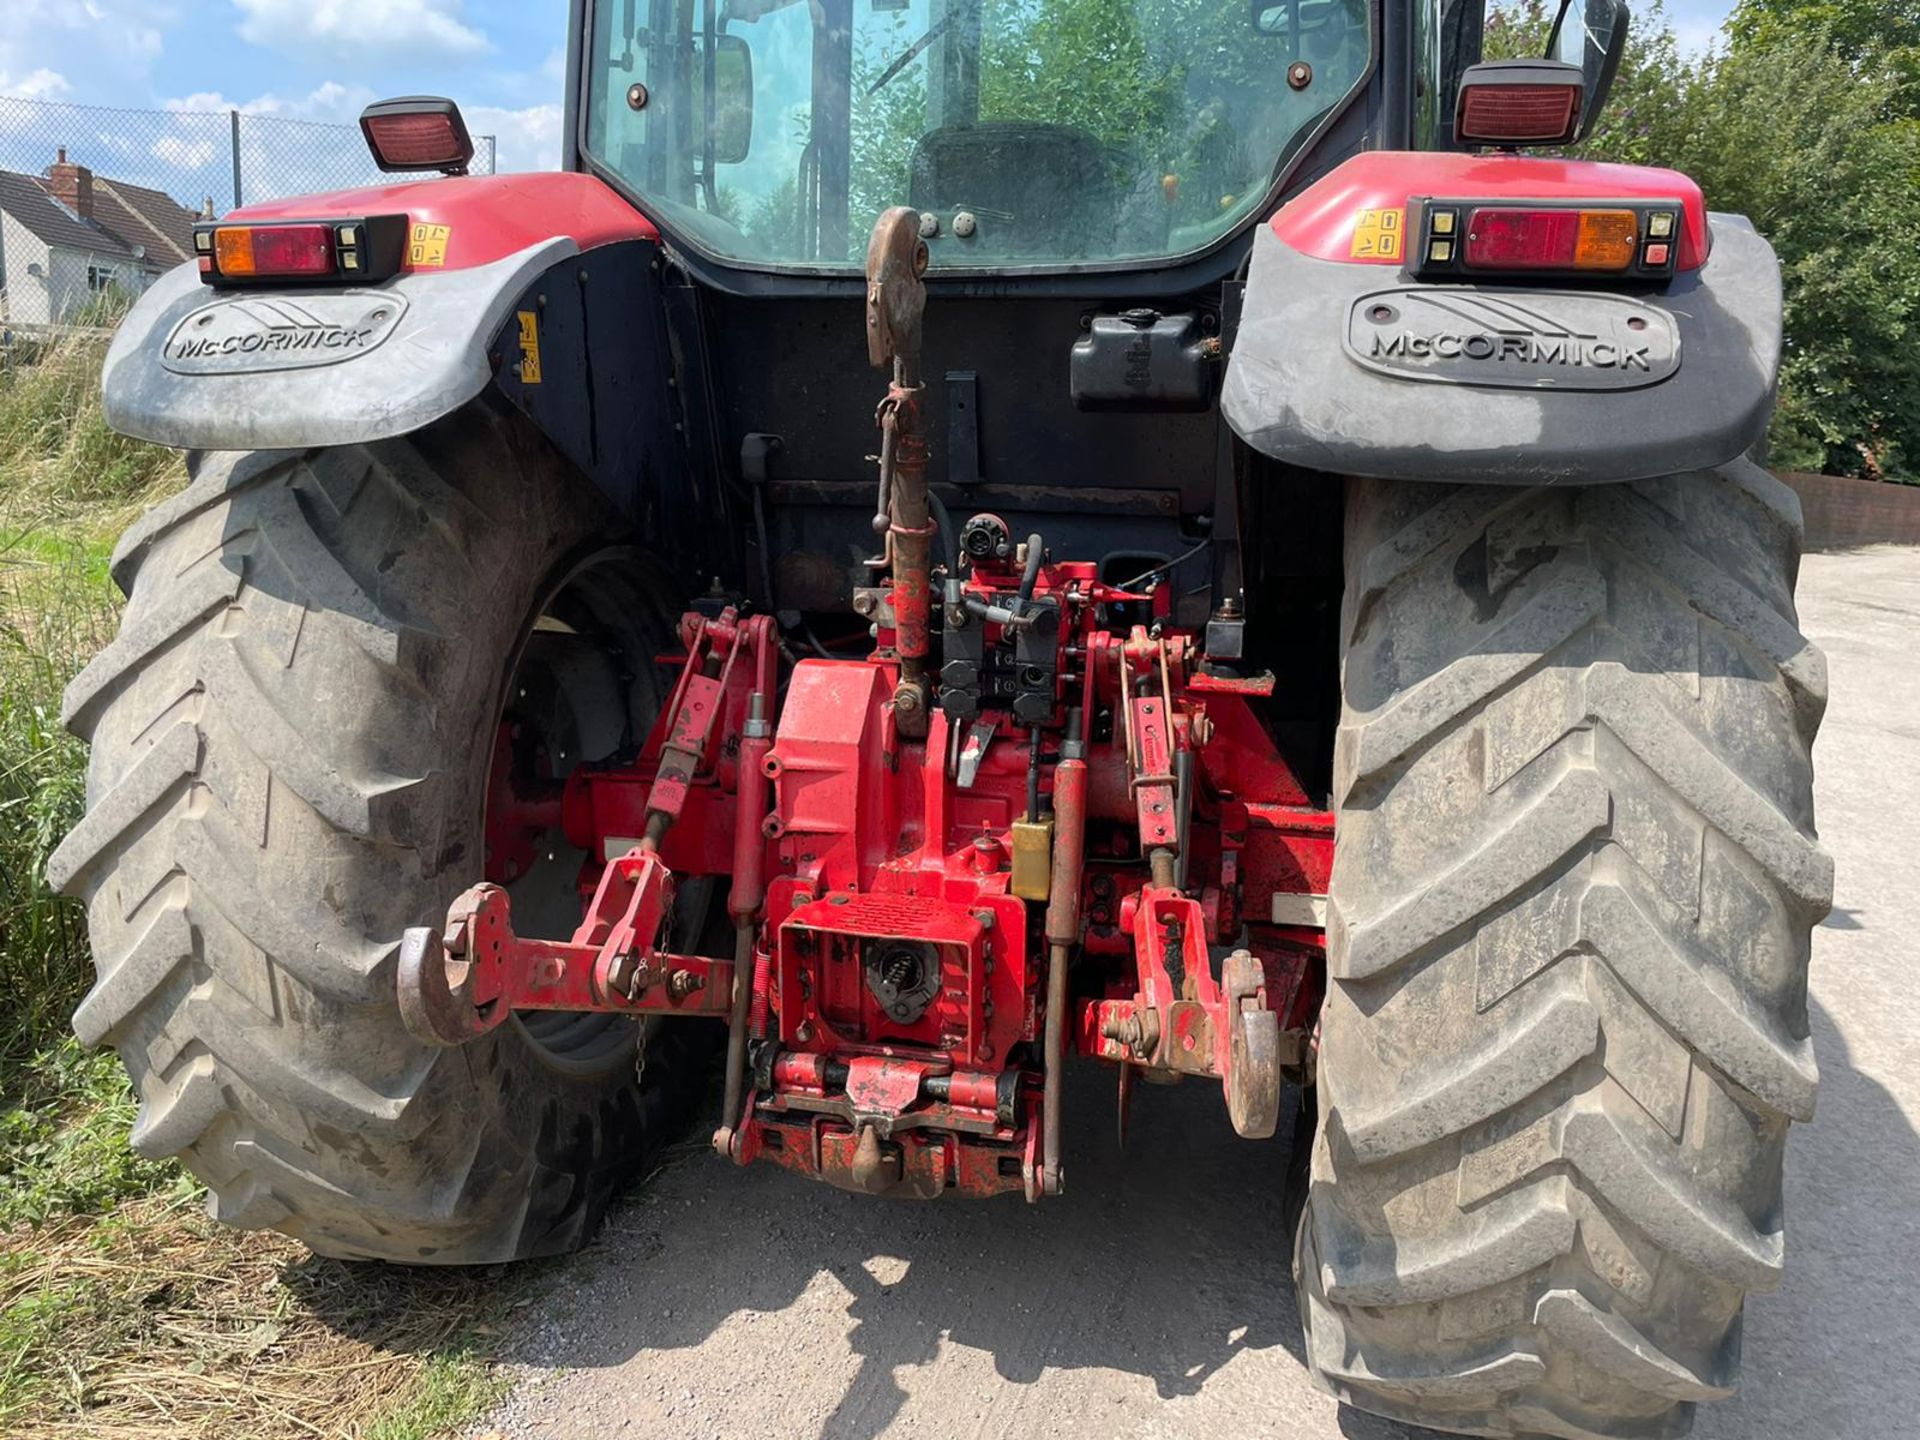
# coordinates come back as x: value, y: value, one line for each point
x: 1515, y: 239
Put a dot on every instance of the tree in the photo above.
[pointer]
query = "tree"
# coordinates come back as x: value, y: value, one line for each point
x: 1809, y: 136
x: 1859, y: 29
x: 1794, y: 133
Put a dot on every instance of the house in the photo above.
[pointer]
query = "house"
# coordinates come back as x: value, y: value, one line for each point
x: 69, y: 235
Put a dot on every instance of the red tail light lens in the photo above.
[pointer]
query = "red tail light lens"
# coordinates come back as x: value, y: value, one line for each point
x: 1512, y: 239
x: 1517, y: 114
x: 269, y: 250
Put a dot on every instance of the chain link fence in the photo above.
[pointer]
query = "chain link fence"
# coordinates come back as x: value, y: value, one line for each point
x: 217, y: 158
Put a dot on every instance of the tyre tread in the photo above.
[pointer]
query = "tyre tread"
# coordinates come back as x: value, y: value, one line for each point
x: 1557, y: 1065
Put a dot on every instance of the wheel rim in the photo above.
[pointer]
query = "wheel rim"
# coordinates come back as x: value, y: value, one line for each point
x: 584, y: 686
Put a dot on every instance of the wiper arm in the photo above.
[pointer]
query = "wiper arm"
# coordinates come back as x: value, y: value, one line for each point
x: 912, y: 53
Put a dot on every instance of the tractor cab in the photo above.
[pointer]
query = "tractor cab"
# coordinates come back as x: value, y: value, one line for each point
x: 1090, y: 136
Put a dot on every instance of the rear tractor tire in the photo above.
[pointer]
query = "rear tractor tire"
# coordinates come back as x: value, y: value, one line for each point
x: 291, y: 740
x: 1566, y: 1026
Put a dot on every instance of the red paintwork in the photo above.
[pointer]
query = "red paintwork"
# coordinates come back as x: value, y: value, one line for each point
x: 871, y: 849
x: 628, y: 911
x: 488, y: 217
x: 602, y: 804
x: 1320, y: 220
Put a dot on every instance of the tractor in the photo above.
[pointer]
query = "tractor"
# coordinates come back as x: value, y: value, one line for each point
x: 954, y: 538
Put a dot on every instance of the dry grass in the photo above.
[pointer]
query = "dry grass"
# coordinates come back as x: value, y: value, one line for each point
x: 157, y: 1322
x: 124, y: 1311
x: 58, y: 460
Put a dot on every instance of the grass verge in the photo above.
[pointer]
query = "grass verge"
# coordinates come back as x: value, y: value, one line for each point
x: 125, y: 1312
x: 154, y: 1320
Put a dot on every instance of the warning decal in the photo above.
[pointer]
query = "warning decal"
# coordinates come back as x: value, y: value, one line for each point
x: 1377, y: 235
x: 529, y: 348
x: 427, y: 246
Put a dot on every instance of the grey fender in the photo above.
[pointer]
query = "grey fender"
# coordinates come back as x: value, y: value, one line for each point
x: 207, y: 369
x: 1356, y: 370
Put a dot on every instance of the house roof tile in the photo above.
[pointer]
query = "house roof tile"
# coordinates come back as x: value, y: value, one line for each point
x: 124, y: 217
x: 23, y: 197
x: 157, y: 221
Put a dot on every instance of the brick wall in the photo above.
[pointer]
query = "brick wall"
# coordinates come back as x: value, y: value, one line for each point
x: 1842, y: 512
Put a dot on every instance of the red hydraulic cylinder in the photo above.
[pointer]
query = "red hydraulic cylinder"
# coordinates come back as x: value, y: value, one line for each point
x: 749, y: 840
x: 1063, y: 930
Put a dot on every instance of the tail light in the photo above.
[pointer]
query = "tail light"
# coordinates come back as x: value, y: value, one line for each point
x: 1519, y: 102
x: 1503, y: 239
x: 417, y: 132
x: 1601, y: 240
x: 270, y: 251
x: 301, y: 251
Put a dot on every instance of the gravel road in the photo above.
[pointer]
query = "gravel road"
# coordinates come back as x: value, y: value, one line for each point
x: 1153, y: 1299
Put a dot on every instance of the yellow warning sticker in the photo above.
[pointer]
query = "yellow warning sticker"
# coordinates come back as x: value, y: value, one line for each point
x: 529, y: 348
x: 427, y: 246
x: 1377, y: 235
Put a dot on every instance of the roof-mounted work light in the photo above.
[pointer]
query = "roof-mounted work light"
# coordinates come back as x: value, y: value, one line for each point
x: 1520, y: 102
x: 417, y: 132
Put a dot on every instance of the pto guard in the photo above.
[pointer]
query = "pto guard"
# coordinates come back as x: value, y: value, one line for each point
x: 1349, y: 366
x: 207, y: 369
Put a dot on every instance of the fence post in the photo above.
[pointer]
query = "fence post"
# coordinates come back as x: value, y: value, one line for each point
x: 234, y: 117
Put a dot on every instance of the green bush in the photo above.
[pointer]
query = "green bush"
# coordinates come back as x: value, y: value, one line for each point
x: 1809, y: 131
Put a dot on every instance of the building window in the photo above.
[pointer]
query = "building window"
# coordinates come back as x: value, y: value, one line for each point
x: 102, y: 277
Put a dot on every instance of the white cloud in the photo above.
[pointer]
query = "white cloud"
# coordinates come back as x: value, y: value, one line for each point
x: 340, y: 29
x: 329, y: 102
x: 184, y: 154
x: 41, y: 84
x: 119, y: 35
x: 526, y: 139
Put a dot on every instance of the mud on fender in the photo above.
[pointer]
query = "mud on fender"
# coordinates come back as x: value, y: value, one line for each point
x: 1349, y: 369
x: 267, y: 369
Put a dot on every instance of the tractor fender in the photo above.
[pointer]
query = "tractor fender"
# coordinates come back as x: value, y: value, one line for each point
x: 1359, y: 369
x: 274, y: 367
x: 207, y: 369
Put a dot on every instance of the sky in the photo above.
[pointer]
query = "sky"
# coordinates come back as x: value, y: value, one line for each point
x: 502, y: 60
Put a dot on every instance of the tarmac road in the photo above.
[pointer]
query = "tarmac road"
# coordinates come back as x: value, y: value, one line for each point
x: 1153, y: 1299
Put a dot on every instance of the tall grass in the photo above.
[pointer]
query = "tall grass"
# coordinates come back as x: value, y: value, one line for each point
x: 67, y: 486
x: 59, y: 462
x: 53, y: 615
x: 125, y: 1313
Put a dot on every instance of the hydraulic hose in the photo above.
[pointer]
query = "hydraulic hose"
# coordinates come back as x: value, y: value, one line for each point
x: 948, y: 537
x: 1029, y: 577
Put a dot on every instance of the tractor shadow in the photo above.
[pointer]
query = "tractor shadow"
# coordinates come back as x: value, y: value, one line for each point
x: 1830, y: 1353
x: 1167, y: 1262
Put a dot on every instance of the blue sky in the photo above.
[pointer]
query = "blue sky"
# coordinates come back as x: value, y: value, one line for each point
x: 325, y: 59
x: 311, y: 59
